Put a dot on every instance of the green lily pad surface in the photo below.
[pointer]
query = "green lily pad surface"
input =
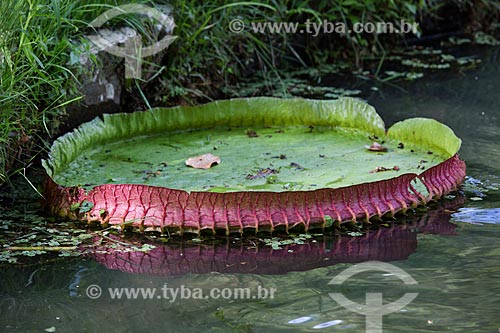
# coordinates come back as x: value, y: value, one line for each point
x: 298, y: 152
x: 271, y: 159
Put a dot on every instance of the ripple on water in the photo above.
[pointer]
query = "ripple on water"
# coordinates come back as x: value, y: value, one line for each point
x: 478, y: 215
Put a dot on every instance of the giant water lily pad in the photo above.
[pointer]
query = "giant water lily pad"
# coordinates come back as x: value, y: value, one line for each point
x: 282, y: 163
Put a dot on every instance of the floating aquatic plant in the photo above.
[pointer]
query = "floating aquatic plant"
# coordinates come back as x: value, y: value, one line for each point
x: 326, y: 173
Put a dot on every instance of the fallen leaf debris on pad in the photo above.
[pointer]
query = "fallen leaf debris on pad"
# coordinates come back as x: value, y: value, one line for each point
x: 205, y: 161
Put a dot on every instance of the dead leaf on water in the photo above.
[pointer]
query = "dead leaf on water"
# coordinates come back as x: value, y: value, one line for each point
x: 203, y: 162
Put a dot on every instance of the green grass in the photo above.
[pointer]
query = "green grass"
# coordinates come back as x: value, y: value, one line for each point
x: 36, y: 82
x: 207, y: 54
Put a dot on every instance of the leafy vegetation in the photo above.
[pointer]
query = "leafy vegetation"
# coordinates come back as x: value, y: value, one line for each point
x: 208, y: 56
x: 39, y: 40
x: 36, y: 80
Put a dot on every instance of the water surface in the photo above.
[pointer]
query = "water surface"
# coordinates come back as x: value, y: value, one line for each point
x: 457, y: 268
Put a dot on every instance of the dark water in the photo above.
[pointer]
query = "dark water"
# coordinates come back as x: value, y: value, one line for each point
x: 453, y: 257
